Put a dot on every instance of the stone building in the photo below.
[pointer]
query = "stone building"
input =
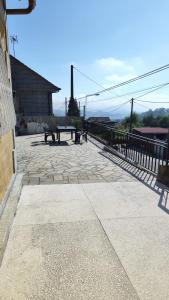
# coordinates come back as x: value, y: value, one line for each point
x: 7, y: 113
x: 32, y: 93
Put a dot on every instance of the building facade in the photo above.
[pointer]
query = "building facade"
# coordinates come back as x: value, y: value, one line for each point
x: 7, y: 113
x: 156, y: 133
x: 32, y: 93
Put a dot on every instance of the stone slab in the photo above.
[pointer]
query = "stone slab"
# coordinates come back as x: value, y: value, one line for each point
x: 63, y: 261
x: 142, y: 245
x: 49, y: 195
x: 54, y: 212
x: 123, y: 199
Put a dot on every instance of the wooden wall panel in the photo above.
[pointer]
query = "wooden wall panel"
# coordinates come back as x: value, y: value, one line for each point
x: 6, y: 162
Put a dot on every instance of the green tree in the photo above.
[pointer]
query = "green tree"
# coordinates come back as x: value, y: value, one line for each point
x: 73, y: 110
x: 164, y: 122
x: 136, y: 122
x: 150, y: 120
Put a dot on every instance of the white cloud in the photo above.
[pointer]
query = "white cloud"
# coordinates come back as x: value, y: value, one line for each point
x: 109, y: 71
x: 111, y: 64
x: 115, y: 70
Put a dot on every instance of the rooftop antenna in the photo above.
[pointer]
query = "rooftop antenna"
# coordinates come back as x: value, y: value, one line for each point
x: 14, y: 40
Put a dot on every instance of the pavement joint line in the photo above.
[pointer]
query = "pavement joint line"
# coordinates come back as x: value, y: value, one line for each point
x: 139, y: 217
x: 100, y: 222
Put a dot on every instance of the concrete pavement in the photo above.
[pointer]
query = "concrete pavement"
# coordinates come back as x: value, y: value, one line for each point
x: 87, y: 241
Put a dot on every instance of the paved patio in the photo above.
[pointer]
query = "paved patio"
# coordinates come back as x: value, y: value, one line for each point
x: 64, y: 163
x: 103, y: 238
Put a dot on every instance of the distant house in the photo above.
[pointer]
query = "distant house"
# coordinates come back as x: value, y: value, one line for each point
x: 152, y: 132
x: 99, y: 119
x: 32, y: 93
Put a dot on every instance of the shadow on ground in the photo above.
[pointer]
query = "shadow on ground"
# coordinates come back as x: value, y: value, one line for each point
x: 146, y: 178
x: 39, y: 143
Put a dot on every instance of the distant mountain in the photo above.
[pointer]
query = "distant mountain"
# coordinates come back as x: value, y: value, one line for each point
x: 58, y: 112
x: 112, y: 115
x: 97, y: 113
x: 158, y: 112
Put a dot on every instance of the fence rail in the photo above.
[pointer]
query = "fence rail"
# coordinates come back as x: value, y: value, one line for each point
x: 142, y: 151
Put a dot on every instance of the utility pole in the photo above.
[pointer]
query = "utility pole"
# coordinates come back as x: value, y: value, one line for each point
x: 131, y: 115
x: 14, y: 40
x: 71, y: 84
x: 65, y: 106
x: 84, y: 112
x: 79, y: 107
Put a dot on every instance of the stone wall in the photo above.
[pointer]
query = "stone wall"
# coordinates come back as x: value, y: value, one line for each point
x: 7, y: 113
x: 6, y: 162
x: 34, y: 125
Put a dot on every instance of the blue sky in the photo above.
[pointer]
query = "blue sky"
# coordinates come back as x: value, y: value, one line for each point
x: 110, y: 41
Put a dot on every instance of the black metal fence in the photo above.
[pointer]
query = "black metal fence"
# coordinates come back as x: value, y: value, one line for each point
x: 142, y: 151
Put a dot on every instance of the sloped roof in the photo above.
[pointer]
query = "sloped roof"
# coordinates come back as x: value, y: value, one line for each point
x: 15, y: 61
x: 99, y: 119
x: 152, y: 130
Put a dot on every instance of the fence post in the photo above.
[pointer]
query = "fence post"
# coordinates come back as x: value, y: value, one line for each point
x: 167, y: 149
x: 126, y: 145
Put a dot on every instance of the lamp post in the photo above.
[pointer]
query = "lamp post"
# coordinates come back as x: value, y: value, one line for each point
x: 97, y: 94
x: 85, y: 105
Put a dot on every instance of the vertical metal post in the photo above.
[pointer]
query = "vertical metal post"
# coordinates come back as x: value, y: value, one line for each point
x: 71, y: 84
x: 84, y: 112
x: 85, y: 106
x: 131, y: 115
x: 65, y: 107
x: 126, y: 152
x: 167, y: 160
x: 79, y: 107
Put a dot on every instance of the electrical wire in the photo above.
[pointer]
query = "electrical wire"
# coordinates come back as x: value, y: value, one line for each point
x: 117, y: 106
x: 135, y: 102
x: 158, y: 102
x: 124, y: 103
x: 89, y: 78
x: 155, y: 87
x: 151, y: 91
x: 160, y: 69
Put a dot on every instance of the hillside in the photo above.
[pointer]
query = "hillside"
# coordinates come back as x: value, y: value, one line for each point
x: 158, y: 112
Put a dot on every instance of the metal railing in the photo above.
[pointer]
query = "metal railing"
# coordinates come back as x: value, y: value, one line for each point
x: 143, y: 152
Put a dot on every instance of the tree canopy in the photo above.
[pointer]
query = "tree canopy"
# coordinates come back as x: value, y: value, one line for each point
x: 73, y: 110
x: 145, y: 121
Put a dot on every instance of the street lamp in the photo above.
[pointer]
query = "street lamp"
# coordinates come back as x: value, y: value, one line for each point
x: 85, y: 107
x: 86, y: 97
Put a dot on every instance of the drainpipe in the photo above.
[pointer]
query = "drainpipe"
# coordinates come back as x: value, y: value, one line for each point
x: 24, y: 11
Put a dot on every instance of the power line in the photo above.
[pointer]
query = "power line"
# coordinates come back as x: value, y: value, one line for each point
x: 158, y: 102
x: 152, y: 91
x: 117, y: 106
x: 141, y: 105
x: 124, y: 103
x: 136, y: 78
x: 155, y: 87
x: 89, y: 78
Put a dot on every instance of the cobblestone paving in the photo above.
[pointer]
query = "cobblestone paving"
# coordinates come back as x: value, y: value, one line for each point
x: 65, y: 163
